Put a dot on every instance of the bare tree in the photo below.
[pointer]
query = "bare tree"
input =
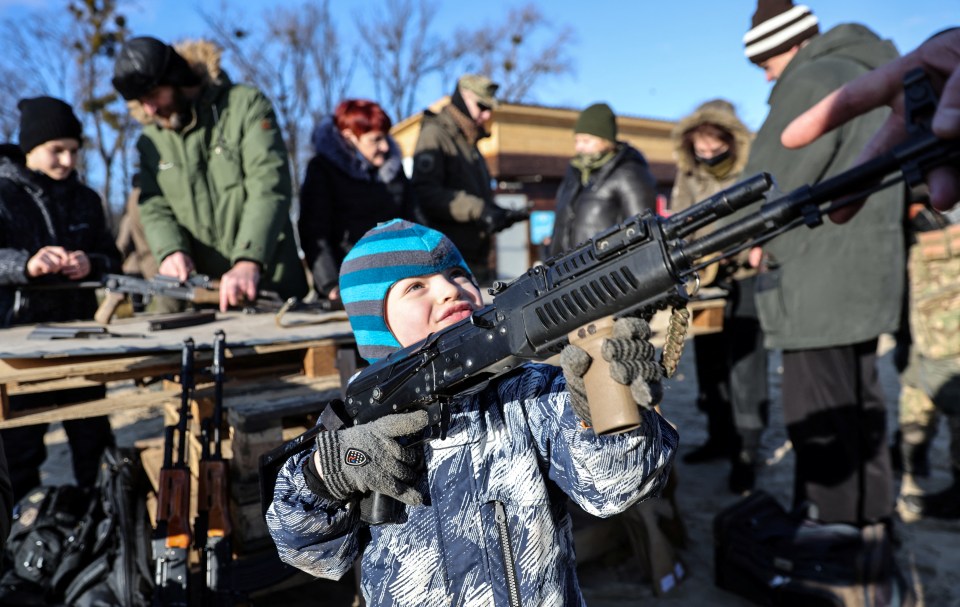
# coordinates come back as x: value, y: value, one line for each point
x: 98, y: 31
x: 401, y: 52
x: 298, y: 61
x: 34, y: 63
x: 510, y: 54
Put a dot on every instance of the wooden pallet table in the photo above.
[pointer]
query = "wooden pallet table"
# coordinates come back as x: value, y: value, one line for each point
x: 256, y: 347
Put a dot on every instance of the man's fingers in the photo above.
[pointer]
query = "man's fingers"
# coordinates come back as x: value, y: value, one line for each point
x: 944, y: 182
x: 946, y: 122
x: 867, y: 92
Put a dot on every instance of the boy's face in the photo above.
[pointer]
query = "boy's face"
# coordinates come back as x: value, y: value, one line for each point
x: 421, y: 305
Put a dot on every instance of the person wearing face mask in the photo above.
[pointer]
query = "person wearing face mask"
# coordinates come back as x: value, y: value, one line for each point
x: 52, y: 230
x: 607, y: 181
x: 354, y: 182
x: 450, y: 176
x: 711, y: 146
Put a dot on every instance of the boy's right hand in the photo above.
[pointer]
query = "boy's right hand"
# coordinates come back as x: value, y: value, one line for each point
x: 368, y: 457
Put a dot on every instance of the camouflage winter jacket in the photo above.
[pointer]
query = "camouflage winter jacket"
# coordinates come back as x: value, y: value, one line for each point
x: 497, y: 488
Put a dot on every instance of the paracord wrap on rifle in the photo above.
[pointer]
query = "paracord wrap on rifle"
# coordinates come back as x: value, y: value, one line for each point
x: 673, y: 344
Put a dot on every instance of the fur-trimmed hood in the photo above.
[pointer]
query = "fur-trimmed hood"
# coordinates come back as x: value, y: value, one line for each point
x: 329, y: 143
x: 204, y: 58
x: 721, y: 113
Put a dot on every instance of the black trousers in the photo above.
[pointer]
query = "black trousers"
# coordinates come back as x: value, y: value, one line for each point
x: 732, y: 373
x: 26, y: 452
x: 836, y: 418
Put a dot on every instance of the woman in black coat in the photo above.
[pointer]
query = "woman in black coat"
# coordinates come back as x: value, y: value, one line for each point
x: 52, y: 230
x: 354, y: 182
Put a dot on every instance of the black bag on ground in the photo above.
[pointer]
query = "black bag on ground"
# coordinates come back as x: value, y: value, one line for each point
x: 773, y: 557
x: 82, y: 547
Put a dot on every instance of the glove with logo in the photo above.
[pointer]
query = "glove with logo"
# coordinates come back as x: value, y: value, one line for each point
x: 368, y: 457
x: 631, y: 358
x: 496, y: 218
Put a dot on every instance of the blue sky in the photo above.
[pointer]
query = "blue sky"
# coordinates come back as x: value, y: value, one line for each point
x: 655, y: 59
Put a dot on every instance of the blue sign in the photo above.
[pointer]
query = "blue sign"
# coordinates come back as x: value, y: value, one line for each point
x: 541, y: 226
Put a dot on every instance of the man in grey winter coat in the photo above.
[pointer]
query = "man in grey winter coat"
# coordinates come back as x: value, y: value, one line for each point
x: 824, y: 296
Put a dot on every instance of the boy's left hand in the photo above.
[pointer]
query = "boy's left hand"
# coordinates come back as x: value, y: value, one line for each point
x: 631, y: 358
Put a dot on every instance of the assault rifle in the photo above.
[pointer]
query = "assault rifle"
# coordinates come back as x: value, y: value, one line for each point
x: 171, y: 539
x: 637, y: 267
x: 213, y: 526
x: 199, y: 289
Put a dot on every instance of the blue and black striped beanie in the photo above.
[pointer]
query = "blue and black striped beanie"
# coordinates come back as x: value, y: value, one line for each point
x: 388, y: 253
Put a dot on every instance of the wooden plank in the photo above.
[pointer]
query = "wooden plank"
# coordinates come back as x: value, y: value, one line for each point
x: 103, y: 406
x: 4, y: 402
x: 134, y: 365
x: 320, y: 360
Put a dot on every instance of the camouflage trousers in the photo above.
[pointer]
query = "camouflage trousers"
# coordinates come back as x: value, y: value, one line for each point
x: 929, y: 390
x: 930, y: 385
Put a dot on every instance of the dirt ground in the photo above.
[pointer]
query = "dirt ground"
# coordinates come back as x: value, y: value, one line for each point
x: 929, y: 551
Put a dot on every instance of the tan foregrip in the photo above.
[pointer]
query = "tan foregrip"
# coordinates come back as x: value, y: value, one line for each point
x: 108, y: 307
x: 612, y: 408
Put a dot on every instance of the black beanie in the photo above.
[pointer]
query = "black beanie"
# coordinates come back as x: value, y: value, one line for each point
x: 145, y: 63
x: 44, y: 119
x: 598, y: 120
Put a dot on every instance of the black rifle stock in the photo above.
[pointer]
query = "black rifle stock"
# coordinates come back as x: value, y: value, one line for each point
x: 213, y: 527
x: 639, y: 266
x: 172, y: 537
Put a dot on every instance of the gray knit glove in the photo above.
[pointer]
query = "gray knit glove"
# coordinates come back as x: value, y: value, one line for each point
x: 631, y: 358
x: 368, y: 457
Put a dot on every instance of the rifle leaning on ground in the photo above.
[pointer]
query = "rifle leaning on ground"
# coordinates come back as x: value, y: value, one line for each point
x: 213, y: 528
x: 198, y: 289
x: 637, y: 267
x: 171, y: 539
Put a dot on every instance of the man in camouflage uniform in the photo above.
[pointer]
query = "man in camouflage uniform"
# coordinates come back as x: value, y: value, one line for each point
x: 930, y: 384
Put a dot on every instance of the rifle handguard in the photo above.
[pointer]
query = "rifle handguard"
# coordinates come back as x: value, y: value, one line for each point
x: 612, y: 408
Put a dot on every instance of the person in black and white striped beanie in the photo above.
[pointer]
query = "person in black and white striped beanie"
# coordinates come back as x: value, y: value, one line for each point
x: 777, y: 27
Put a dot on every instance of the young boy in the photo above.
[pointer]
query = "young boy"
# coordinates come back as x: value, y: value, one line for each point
x: 486, y: 520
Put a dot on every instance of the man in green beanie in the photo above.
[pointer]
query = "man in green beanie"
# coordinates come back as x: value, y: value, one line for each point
x: 607, y: 181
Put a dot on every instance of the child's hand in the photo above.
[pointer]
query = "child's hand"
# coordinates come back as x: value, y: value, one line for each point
x: 368, y: 457
x: 631, y: 358
x: 575, y: 362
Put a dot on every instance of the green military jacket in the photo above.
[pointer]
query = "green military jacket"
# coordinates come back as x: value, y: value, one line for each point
x: 220, y: 190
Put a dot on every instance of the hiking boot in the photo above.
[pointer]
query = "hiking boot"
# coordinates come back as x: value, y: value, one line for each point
x: 707, y: 452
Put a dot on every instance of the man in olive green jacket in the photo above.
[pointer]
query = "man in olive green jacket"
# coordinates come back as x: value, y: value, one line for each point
x: 827, y: 294
x: 215, y: 180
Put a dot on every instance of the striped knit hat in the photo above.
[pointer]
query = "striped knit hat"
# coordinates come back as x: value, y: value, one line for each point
x: 386, y: 254
x: 778, y: 26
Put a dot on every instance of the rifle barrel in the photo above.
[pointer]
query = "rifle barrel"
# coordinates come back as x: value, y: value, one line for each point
x: 219, y: 354
x: 186, y: 383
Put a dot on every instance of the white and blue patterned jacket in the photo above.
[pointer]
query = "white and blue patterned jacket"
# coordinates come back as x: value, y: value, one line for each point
x: 497, y: 488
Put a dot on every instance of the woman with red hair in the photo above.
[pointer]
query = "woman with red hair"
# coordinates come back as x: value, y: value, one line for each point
x: 354, y: 182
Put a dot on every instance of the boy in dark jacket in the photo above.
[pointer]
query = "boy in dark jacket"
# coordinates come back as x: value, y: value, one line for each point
x: 486, y: 519
x: 52, y: 231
